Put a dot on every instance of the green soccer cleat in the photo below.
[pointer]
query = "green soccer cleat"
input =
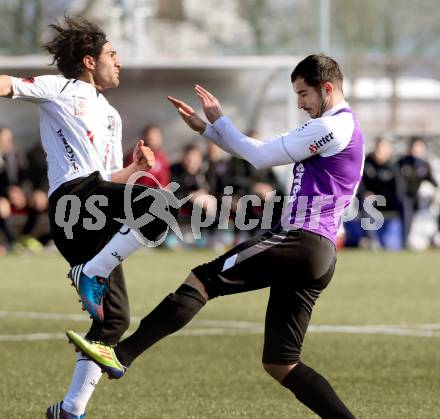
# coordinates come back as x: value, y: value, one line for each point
x: 101, y: 354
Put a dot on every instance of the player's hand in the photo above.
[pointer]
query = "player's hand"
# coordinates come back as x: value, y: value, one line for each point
x: 211, y: 105
x: 143, y: 157
x: 188, y: 114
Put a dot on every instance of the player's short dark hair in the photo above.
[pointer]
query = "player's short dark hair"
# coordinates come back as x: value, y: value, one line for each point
x: 318, y: 69
x: 76, y: 39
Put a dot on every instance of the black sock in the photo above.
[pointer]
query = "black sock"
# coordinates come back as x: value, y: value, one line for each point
x: 313, y: 390
x: 173, y: 313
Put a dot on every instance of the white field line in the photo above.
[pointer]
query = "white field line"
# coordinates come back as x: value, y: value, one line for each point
x: 43, y: 316
x: 32, y: 337
x: 34, y: 315
x: 222, y: 327
x: 413, y: 330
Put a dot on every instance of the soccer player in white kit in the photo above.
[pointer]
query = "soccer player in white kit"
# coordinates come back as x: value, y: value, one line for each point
x: 81, y: 135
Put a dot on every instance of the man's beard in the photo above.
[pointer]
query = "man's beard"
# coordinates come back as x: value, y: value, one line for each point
x: 323, y: 105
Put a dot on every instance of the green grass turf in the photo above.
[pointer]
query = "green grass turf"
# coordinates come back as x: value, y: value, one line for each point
x: 378, y: 376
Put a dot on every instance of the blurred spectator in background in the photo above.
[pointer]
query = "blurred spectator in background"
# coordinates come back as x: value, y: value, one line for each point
x: 152, y: 136
x: 35, y: 174
x: 216, y: 171
x: 13, y: 198
x: 5, y: 204
x: 382, y: 177
x: 190, y: 175
x: 413, y: 169
x: 246, y: 180
x: 5, y: 213
x: 27, y: 202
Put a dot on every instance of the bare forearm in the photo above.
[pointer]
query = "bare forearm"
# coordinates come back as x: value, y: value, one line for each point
x: 123, y: 175
x: 5, y: 86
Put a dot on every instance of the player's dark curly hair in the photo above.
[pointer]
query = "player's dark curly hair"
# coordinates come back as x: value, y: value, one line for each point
x: 73, y: 42
x: 317, y: 69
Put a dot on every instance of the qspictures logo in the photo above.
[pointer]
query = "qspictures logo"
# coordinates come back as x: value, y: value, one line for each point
x: 160, y: 207
x: 143, y: 205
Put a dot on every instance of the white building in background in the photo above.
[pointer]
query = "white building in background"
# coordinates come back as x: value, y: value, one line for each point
x: 139, y: 35
x: 255, y: 91
x: 145, y: 39
x: 162, y: 56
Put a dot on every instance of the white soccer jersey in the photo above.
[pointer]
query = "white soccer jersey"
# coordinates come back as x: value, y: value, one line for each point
x: 80, y: 131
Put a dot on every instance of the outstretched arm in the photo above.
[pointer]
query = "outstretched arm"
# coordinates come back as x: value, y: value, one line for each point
x: 188, y: 115
x: 5, y: 86
x: 259, y: 154
x: 318, y: 136
x: 193, y: 120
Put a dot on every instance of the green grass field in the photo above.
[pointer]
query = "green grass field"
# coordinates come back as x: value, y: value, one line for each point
x: 213, y: 369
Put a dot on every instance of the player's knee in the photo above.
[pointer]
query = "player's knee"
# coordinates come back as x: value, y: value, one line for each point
x: 195, y: 282
x: 178, y: 309
x: 277, y: 371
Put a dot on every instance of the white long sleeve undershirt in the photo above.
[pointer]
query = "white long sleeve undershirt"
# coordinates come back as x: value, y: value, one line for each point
x: 326, y: 135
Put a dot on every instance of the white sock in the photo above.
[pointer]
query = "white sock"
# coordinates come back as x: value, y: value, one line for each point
x: 85, y: 377
x: 120, y: 246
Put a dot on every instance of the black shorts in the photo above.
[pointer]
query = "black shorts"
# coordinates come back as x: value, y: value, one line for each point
x: 297, y: 265
x: 85, y: 243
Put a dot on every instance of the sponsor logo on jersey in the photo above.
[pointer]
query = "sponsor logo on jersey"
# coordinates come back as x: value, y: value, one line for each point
x: 299, y: 171
x: 80, y: 106
x: 29, y: 80
x: 111, y: 124
x: 313, y: 148
x: 69, y: 151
